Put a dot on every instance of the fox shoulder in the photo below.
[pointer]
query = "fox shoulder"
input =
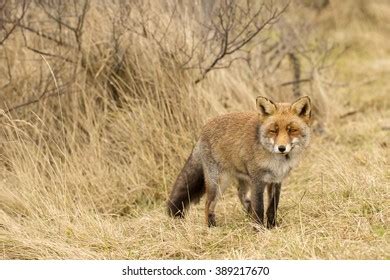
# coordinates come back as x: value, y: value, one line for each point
x: 231, y: 124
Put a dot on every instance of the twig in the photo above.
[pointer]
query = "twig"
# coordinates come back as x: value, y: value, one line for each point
x: 43, y: 96
x: 16, y: 23
x: 295, y: 82
x: 46, y: 94
x: 348, y: 114
x: 50, y: 54
x: 44, y: 35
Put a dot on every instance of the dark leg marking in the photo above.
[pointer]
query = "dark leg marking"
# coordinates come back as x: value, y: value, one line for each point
x: 257, y: 192
x: 257, y: 202
x: 274, y: 190
x: 211, y: 220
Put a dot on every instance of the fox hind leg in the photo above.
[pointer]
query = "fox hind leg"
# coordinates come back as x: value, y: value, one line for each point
x: 243, y: 194
x: 211, y: 201
x: 215, y: 185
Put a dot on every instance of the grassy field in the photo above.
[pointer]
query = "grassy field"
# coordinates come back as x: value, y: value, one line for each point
x: 81, y: 178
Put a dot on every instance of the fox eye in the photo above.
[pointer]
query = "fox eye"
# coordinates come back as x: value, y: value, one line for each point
x: 273, y: 131
x: 293, y: 130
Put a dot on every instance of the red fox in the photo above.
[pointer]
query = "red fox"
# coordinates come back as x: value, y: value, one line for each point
x: 258, y: 149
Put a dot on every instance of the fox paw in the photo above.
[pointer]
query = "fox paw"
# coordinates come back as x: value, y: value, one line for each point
x: 211, y: 220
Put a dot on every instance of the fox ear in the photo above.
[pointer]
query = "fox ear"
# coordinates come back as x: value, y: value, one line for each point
x: 265, y: 106
x: 302, y: 107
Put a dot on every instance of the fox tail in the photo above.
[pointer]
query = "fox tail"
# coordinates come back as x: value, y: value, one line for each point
x: 189, y: 186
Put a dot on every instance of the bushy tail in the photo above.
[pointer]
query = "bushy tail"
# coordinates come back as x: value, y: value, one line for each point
x: 189, y: 186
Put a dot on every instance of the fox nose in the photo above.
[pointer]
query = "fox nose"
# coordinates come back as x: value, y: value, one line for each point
x: 282, y: 148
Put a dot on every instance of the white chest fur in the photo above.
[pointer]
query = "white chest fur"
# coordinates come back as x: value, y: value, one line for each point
x: 278, y: 168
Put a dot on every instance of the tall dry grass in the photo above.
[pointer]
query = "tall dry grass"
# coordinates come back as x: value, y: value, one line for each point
x: 85, y: 175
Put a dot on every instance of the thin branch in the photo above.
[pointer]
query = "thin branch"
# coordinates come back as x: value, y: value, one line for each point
x: 348, y: 114
x: 227, y: 47
x: 44, y: 35
x: 50, y: 54
x: 15, y: 23
x: 46, y: 94
x: 295, y: 82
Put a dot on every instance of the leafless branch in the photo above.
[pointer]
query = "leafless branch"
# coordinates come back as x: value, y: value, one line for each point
x: 295, y: 82
x: 348, y: 114
x: 9, y: 73
x: 44, y: 35
x: 46, y: 94
x: 244, y: 36
x: 14, y: 22
x: 53, y: 55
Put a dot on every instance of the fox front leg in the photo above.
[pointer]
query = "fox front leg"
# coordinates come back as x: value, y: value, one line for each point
x: 273, y: 198
x: 257, y: 202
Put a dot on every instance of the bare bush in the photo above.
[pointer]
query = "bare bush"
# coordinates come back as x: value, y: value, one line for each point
x: 193, y: 38
x: 215, y: 40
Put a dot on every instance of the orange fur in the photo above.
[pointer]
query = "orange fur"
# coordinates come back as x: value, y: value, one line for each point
x: 257, y: 148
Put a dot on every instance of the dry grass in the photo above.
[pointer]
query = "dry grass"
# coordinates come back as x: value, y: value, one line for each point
x: 85, y: 179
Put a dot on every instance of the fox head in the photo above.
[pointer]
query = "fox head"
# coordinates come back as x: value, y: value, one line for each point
x: 285, y: 128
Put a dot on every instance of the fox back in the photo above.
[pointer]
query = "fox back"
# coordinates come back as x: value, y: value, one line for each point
x: 256, y: 149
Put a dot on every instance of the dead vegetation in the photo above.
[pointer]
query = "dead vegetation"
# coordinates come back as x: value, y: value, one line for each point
x: 100, y: 105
